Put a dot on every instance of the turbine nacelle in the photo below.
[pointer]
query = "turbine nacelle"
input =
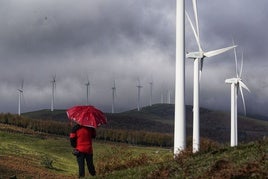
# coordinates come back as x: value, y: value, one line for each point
x: 233, y: 80
x: 237, y: 81
x: 195, y: 55
x: 20, y: 90
x: 53, y: 79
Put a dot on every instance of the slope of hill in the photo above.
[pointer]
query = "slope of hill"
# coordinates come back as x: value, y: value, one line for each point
x: 25, y: 153
x: 213, y: 124
x: 160, y: 118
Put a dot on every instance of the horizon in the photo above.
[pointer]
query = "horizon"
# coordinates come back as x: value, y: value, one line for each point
x: 249, y: 115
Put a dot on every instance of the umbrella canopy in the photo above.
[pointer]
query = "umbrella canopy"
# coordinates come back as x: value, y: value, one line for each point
x: 88, y: 116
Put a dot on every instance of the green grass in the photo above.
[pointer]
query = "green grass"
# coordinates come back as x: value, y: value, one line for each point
x: 53, y: 153
x: 115, y: 160
x: 56, y: 149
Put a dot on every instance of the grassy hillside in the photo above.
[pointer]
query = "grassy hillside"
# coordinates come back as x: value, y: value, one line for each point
x: 160, y: 118
x: 28, y: 154
x: 25, y: 153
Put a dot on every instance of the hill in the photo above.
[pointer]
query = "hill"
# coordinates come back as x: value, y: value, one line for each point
x: 47, y: 114
x: 160, y: 118
x: 49, y: 156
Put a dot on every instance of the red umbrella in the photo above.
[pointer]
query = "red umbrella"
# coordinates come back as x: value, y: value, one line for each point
x: 88, y: 116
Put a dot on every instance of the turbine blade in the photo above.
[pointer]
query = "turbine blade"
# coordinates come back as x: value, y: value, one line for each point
x: 217, y: 52
x: 23, y: 98
x: 195, y: 34
x: 243, y: 85
x: 200, y: 75
x: 201, y: 68
x: 87, y: 78
x: 242, y: 63
x: 202, y: 64
x: 243, y: 99
x: 196, y: 18
x: 22, y: 82
x: 236, y: 71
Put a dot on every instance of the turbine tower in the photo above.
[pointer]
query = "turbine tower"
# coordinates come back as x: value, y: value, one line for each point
x: 161, y: 97
x: 20, y: 90
x: 169, y: 97
x: 113, y: 96
x: 53, y: 84
x: 198, y: 58
x: 235, y: 84
x: 87, y: 90
x: 179, y: 117
x: 151, y: 93
x: 139, y: 94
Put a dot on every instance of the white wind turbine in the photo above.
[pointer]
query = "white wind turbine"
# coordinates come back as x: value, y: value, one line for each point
x: 87, y: 91
x: 179, y: 117
x: 236, y: 83
x: 20, y: 90
x: 169, y: 96
x: 139, y: 94
x: 53, y: 84
x: 151, y: 93
x: 198, y: 58
x: 113, y: 97
x: 162, y: 97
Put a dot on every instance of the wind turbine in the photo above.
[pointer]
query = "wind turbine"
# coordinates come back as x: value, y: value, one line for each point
x: 151, y: 93
x: 139, y: 94
x: 236, y: 83
x: 198, y: 58
x: 53, y: 83
x: 169, y: 97
x: 113, y: 95
x: 87, y: 88
x: 20, y: 90
x: 161, y: 97
x: 179, y: 117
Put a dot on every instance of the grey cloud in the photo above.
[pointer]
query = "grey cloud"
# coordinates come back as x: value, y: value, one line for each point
x: 124, y: 40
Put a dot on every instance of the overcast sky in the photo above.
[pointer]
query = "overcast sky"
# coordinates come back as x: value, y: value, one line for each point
x: 126, y: 40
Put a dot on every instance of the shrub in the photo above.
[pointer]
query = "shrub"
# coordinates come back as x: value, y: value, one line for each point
x: 47, y: 162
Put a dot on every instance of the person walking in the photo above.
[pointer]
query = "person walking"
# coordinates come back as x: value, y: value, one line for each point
x: 81, y: 141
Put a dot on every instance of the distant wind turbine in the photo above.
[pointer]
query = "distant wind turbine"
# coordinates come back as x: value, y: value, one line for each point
x: 20, y: 90
x: 87, y: 91
x: 113, y: 97
x: 162, y: 98
x: 151, y: 93
x: 169, y: 97
x: 53, y: 84
x: 236, y: 83
x: 139, y: 95
x: 198, y: 58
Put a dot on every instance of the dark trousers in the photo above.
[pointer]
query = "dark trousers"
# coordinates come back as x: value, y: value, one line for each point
x: 81, y: 164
